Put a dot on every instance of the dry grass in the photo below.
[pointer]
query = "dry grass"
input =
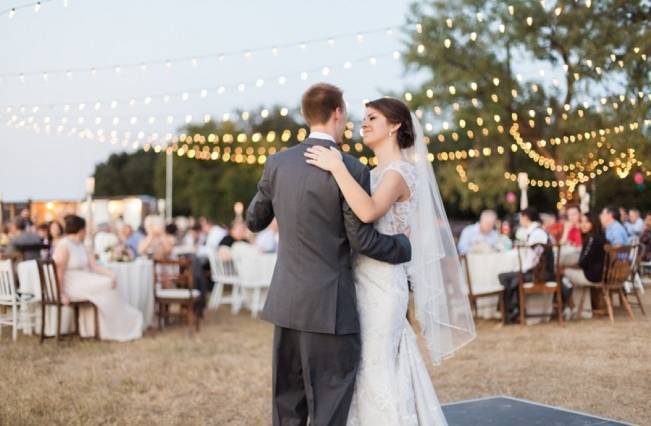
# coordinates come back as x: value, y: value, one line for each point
x: 222, y: 374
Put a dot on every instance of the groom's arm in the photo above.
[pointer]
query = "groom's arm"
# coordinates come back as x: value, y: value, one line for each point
x: 365, y: 239
x: 260, y: 212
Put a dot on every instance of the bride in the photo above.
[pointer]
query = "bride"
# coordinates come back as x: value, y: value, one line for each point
x: 393, y: 386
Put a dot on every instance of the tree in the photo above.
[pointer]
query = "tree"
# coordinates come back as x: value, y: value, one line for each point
x: 472, y: 51
x: 126, y: 174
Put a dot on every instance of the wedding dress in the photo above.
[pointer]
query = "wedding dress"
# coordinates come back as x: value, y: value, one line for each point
x: 393, y: 386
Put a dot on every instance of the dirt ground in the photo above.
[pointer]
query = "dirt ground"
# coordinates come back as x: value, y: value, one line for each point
x: 221, y: 375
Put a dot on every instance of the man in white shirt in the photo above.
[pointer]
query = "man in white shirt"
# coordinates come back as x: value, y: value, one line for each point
x: 536, y: 240
x: 267, y: 240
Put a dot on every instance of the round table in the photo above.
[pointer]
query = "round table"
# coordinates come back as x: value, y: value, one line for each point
x: 136, y: 285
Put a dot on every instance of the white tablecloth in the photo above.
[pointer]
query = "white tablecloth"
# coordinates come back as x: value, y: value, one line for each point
x: 135, y: 284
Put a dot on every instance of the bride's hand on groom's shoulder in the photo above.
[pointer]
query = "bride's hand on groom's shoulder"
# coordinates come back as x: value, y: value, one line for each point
x: 328, y: 159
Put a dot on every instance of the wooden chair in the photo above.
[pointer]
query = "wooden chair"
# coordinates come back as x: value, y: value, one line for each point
x: 173, y: 285
x: 636, y: 256
x: 540, y: 284
x: 617, y: 270
x: 20, y: 317
x: 473, y: 295
x: 51, y: 296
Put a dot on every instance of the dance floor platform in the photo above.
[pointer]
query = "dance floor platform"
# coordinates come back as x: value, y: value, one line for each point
x: 507, y: 411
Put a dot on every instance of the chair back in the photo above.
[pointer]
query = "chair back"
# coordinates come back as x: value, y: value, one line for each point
x: 173, y: 273
x: 7, y: 284
x: 464, y: 265
x: 49, y: 280
x: 541, y: 270
x: 618, y: 265
x: 222, y: 266
x: 637, y: 254
x: 255, y: 268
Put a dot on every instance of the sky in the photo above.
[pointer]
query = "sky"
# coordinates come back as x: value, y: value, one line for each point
x: 104, y: 34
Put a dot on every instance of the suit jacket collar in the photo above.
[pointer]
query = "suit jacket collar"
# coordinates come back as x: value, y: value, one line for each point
x: 323, y: 142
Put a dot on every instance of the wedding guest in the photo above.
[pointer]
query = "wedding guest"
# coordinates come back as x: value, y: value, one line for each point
x: 133, y: 241
x: 105, y: 239
x: 172, y: 230
x: 26, y: 215
x: 56, y: 233
x: 214, y: 234
x: 157, y: 244
x: 194, y: 237
x: 82, y: 279
x: 571, y: 229
x: 504, y: 242
x: 616, y: 234
x: 591, y: 260
x: 237, y: 232
x: 623, y: 215
x: 552, y: 226
x: 43, y: 231
x: 25, y: 237
x: 480, y: 236
x: 267, y: 240
x: 645, y: 238
x: 537, y: 242
x: 635, y: 224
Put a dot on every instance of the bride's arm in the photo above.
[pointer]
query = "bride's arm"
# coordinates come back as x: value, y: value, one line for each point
x: 367, y: 208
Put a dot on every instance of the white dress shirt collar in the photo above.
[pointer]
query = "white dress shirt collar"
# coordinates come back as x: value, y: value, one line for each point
x: 321, y: 135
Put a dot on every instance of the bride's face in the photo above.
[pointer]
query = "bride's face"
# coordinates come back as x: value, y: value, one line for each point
x: 375, y: 128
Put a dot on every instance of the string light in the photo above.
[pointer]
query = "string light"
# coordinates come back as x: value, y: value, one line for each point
x: 185, y: 95
x: 195, y: 60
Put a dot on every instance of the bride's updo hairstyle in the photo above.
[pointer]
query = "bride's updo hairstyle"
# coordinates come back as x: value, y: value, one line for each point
x: 396, y: 112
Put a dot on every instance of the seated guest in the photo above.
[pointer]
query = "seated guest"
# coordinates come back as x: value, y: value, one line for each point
x: 194, y: 237
x: 82, y: 279
x: 623, y: 215
x: 172, y: 230
x: 214, y: 235
x: 481, y: 236
x: 237, y: 232
x: 537, y: 242
x: 591, y: 260
x: 616, y: 234
x: 645, y: 238
x: 23, y: 238
x: 267, y: 240
x: 157, y: 244
x: 552, y: 226
x: 43, y: 231
x: 56, y: 233
x: 572, y: 229
x: 105, y: 239
x: 133, y: 241
x: 635, y: 224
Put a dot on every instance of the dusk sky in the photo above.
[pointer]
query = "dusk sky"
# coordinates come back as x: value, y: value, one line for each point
x: 96, y: 34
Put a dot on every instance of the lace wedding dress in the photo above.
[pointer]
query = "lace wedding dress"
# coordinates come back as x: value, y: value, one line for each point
x: 392, y: 386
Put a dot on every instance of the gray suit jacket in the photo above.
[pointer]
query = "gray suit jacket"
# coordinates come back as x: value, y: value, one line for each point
x: 312, y: 288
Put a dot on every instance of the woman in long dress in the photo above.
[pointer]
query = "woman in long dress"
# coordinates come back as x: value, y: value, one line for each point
x: 82, y: 279
x: 393, y: 386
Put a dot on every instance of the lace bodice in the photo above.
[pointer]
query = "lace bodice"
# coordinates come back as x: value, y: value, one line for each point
x: 396, y: 220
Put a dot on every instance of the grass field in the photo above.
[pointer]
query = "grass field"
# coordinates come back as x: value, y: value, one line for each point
x: 221, y: 375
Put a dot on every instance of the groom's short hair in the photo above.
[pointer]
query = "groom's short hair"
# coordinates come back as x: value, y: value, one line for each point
x: 320, y: 101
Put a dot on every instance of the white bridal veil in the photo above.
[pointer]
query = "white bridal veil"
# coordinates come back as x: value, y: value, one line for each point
x: 437, y: 279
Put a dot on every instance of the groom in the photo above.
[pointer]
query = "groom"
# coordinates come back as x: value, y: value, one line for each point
x: 311, y: 301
